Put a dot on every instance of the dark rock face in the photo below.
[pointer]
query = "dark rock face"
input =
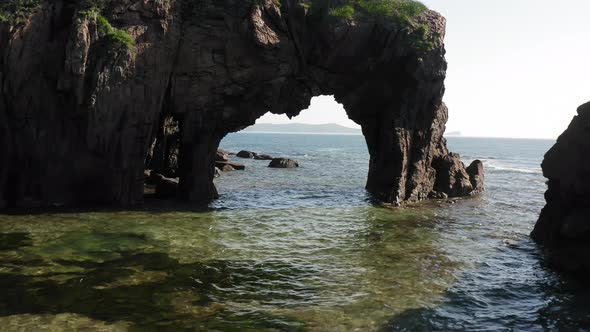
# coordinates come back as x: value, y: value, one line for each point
x: 283, y: 163
x: 154, y: 178
x: 197, y: 73
x: 452, y: 176
x: 167, y: 188
x: 563, y: 228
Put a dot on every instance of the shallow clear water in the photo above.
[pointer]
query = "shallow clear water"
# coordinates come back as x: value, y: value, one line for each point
x: 298, y: 249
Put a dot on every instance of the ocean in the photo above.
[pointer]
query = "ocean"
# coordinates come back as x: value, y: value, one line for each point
x: 301, y: 249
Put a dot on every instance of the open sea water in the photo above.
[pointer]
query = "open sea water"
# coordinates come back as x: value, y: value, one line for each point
x: 298, y: 250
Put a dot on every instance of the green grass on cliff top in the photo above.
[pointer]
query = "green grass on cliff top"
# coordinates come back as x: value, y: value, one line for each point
x: 17, y: 11
x: 401, y: 11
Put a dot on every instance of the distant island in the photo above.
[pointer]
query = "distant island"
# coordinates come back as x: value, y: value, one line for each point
x: 453, y: 134
x: 297, y: 128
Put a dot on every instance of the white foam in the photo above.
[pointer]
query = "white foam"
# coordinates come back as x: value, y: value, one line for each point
x: 506, y: 168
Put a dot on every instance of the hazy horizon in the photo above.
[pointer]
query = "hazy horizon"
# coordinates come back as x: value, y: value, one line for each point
x: 448, y: 133
x: 516, y: 70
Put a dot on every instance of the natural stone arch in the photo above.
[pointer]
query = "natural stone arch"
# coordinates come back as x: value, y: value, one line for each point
x: 79, y: 114
x: 387, y: 85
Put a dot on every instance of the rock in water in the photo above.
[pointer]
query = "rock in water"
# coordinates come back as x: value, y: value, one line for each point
x: 563, y: 228
x: 452, y: 177
x: 283, y: 163
x: 476, y: 175
x: 246, y: 154
x: 217, y: 172
x: 229, y: 166
x: 221, y: 155
x: 168, y: 99
x: 263, y: 157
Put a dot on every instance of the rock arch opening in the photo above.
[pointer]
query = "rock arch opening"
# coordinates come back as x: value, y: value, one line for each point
x: 322, y: 110
x: 331, y: 159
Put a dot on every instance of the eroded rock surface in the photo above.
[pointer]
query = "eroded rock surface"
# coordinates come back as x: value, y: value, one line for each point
x: 563, y: 228
x: 81, y: 118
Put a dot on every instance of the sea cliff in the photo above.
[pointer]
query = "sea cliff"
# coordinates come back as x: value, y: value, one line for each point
x: 563, y: 229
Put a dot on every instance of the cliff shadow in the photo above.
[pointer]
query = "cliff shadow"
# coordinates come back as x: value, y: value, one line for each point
x: 148, y: 291
x: 531, y: 298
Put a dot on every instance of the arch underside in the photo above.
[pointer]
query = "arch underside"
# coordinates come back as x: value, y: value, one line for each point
x: 192, y: 81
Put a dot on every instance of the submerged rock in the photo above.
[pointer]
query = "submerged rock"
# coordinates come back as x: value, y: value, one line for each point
x: 263, y: 157
x: 563, y: 228
x: 283, y: 163
x: 228, y: 168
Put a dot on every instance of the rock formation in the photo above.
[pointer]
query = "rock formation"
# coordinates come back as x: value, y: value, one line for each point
x: 84, y: 110
x: 563, y: 228
x: 246, y: 154
x: 283, y: 163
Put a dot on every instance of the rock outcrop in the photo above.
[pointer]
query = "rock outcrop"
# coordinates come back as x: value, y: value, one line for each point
x: 563, y: 228
x: 82, y: 114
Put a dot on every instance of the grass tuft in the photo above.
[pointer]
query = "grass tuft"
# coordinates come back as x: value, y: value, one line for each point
x: 346, y: 12
x: 118, y: 37
x: 104, y: 26
x: 403, y: 11
x: 122, y: 38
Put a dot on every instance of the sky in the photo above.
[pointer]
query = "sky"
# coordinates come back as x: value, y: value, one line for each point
x: 517, y: 68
